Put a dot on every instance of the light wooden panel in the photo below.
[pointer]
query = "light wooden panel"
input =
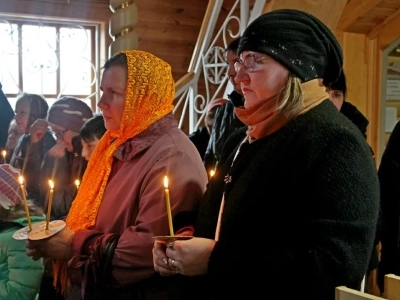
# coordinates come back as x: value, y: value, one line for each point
x: 355, y: 68
x: 355, y: 10
x: 344, y: 293
x: 81, y: 10
x: 392, y: 287
x: 327, y: 11
x: 169, y: 30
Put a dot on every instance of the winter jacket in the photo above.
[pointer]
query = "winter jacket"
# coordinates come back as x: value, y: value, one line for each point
x: 302, y: 201
x: 6, y: 115
x: 200, y: 139
x: 20, y: 275
x: 389, y: 178
x: 225, y: 123
x: 133, y: 207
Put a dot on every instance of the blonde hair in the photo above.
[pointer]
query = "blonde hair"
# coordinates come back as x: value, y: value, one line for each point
x: 291, y: 99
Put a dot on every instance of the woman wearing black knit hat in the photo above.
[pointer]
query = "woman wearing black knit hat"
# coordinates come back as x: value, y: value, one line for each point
x: 296, y: 193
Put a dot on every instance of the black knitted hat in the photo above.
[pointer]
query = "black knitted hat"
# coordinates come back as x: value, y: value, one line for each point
x: 298, y: 41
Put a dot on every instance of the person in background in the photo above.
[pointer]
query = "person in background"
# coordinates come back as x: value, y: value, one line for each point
x: 389, y: 178
x: 201, y: 136
x: 296, y: 192
x: 6, y: 115
x: 337, y: 94
x: 225, y: 122
x: 121, y: 200
x: 91, y: 133
x: 19, y: 275
x: 29, y: 153
x: 13, y: 136
x: 63, y: 163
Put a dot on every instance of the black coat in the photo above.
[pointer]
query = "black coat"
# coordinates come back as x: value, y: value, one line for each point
x: 225, y: 123
x: 6, y: 115
x: 389, y: 177
x: 300, y: 212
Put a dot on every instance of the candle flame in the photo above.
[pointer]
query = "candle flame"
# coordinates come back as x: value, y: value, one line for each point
x: 21, y: 180
x: 212, y: 172
x: 4, y: 153
x: 166, y: 182
x: 51, y: 184
x: 77, y: 183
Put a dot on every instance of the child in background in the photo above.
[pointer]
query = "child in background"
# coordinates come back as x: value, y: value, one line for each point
x: 20, y: 276
x: 12, y: 139
x: 91, y: 133
x: 30, y: 150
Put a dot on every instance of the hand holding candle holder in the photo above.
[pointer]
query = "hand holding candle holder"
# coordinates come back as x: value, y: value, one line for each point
x: 172, y: 237
x: 47, y: 229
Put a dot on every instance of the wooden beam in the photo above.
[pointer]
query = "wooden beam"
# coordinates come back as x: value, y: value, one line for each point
x: 354, y: 10
x: 377, y: 29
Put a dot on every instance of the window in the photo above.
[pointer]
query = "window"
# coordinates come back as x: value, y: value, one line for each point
x: 47, y: 58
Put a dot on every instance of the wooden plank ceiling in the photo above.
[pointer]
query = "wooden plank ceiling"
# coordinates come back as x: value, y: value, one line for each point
x: 368, y: 16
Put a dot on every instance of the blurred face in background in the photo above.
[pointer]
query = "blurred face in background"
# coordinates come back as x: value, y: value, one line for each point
x: 63, y: 136
x: 336, y: 97
x: 209, y: 118
x: 13, y: 135
x: 88, y: 147
x: 22, y: 111
x: 230, y: 59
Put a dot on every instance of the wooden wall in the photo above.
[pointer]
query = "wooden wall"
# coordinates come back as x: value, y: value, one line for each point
x: 363, y: 66
x: 169, y: 29
x: 92, y: 11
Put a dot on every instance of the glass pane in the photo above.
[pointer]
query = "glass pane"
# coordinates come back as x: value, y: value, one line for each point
x: 39, y: 60
x: 9, y: 57
x: 75, y: 61
x: 50, y: 101
x: 12, y: 101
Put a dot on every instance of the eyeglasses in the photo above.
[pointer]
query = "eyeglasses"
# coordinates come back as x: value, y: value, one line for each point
x: 249, y: 63
x: 59, y: 134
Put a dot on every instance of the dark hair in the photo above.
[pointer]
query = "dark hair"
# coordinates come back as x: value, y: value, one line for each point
x: 38, y: 107
x: 118, y: 59
x: 233, y: 45
x: 93, y: 128
x: 340, y: 85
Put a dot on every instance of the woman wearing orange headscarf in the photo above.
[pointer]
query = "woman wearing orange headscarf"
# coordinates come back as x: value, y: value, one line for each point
x: 122, y: 190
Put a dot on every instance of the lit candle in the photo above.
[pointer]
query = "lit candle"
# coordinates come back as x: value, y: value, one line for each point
x: 4, y: 154
x: 21, y: 182
x: 77, y: 183
x: 49, y: 204
x: 212, y: 172
x: 168, y: 202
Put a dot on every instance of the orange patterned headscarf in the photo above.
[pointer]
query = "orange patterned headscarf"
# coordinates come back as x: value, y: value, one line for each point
x: 150, y: 92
